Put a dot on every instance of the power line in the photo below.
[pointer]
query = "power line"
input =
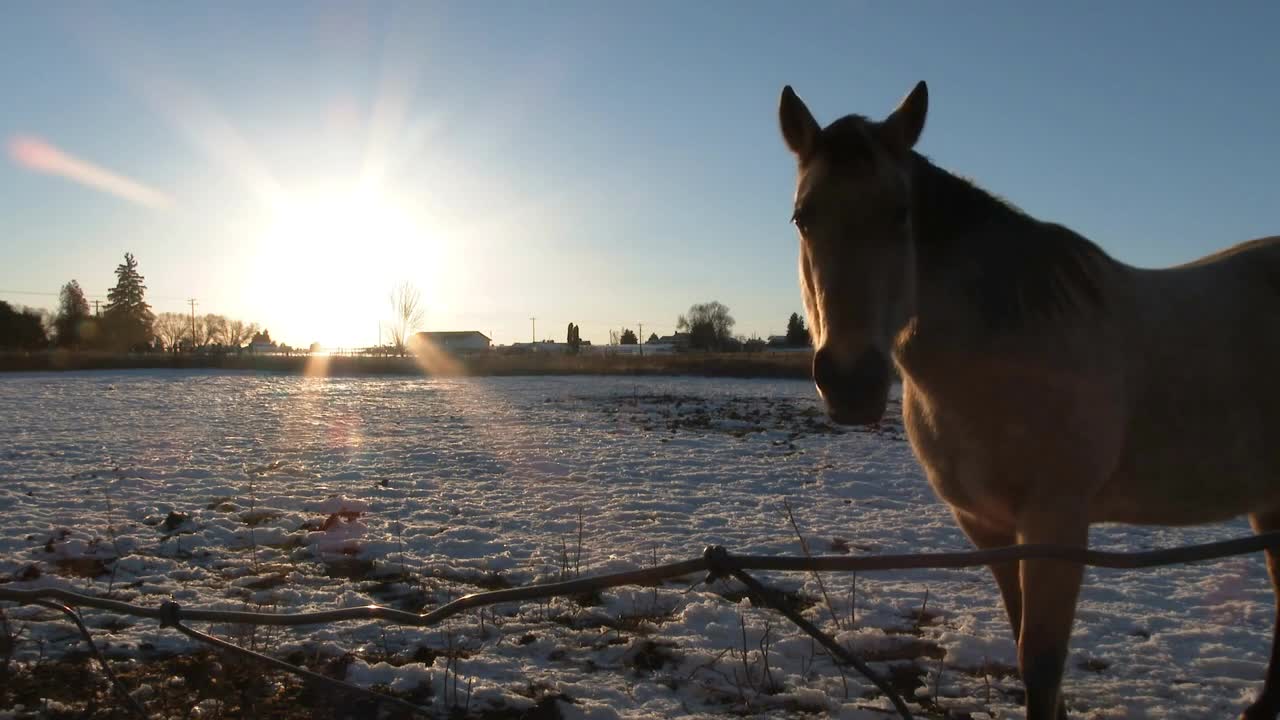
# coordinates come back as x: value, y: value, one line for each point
x: 87, y: 295
x: 27, y: 292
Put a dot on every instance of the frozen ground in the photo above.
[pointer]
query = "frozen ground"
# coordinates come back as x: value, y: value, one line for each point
x: 288, y: 493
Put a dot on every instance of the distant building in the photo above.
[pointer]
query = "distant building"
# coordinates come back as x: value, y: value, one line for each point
x: 778, y: 341
x: 262, y: 344
x: 679, y: 341
x: 543, y: 346
x: 646, y: 349
x: 461, y: 341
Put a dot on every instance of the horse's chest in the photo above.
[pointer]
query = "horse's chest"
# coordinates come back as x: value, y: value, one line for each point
x: 960, y: 470
x: 988, y: 458
x: 991, y: 458
x: 959, y: 461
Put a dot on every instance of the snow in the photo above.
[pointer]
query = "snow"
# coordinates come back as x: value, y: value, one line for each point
x: 282, y: 493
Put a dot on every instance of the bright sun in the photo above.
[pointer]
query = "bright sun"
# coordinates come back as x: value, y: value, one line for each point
x: 330, y: 258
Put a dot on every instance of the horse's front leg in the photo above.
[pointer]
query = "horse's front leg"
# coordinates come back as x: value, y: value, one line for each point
x: 986, y: 536
x: 1049, y: 592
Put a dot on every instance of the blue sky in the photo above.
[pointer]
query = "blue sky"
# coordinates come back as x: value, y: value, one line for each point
x: 604, y: 163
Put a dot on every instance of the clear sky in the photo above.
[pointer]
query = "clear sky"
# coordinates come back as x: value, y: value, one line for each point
x: 605, y: 163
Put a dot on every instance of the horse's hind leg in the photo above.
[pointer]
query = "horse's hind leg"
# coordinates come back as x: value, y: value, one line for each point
x: 1267, y: 705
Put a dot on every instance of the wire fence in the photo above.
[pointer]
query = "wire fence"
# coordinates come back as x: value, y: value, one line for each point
x: 717, y: 562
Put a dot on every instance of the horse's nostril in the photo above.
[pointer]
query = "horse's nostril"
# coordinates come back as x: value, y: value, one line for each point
x: 825, y: 372
x: 869, y: 372
x: 855, y: 394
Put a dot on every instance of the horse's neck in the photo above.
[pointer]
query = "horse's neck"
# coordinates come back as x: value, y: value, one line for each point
x: 959, y: 229
x: 952, y: 220
x: 950, y: 211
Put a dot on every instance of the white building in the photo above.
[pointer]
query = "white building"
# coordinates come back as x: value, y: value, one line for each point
x: 544, y: 346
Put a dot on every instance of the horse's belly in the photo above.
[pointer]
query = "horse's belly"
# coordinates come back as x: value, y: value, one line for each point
x: 1186, y: 488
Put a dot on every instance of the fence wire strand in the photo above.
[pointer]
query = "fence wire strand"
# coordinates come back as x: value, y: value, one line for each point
x: 118, y: 686
x: 716, y: 561
x: 294, y: 669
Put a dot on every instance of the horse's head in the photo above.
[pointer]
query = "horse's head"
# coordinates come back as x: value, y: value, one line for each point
x: 857, y: 253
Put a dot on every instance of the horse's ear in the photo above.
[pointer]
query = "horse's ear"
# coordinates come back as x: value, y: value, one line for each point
x: 907, y: 122
x: 799, y: 128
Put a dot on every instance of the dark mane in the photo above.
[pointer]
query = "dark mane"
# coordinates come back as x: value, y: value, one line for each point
x: 1019, y: 271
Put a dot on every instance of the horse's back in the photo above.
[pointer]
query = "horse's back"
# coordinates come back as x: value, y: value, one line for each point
x: 1265, y: 250
x: 1204, y: 387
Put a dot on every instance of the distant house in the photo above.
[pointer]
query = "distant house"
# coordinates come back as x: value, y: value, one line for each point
x: 778, y: 341
x: 262, y: 344
x: 542, y: 346
x: 679, y: 341
x: 460, y: 341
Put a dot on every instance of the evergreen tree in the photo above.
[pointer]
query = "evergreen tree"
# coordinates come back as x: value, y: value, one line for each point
x: 72, y: 324
x: 628, y: 337
x: 653, y: 338
x: 797, y: 333
x: 128, y: 317
x: 573, y: 339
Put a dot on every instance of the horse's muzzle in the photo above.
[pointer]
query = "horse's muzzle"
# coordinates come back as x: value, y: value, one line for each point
x: 856, y: 395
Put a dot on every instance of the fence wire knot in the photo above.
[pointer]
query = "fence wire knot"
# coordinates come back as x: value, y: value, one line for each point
x: 718, y: 565
x: 169, y: 614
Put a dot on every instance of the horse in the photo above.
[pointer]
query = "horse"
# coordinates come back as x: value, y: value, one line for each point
x: 1046, y: 385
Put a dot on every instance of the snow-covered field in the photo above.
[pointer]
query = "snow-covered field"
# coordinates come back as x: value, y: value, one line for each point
x: 288, y: 493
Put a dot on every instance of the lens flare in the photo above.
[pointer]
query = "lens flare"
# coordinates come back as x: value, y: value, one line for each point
x: 37, y: 155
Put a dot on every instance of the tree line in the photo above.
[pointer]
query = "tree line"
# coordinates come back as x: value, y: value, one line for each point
x: 709, y: 327
x: 126, y: 323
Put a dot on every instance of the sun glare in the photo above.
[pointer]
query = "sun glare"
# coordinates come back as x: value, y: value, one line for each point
x: 330, y: 257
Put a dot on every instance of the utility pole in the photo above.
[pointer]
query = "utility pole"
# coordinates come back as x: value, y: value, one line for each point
x: 96, y: 313
x: 533, y: 333
x: 193, y: 323
x: 641, y: 339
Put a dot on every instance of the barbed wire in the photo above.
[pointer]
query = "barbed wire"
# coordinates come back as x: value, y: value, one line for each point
x: 715, y: 561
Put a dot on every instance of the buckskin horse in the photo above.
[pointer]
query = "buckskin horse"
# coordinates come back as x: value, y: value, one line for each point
x: 1045, y: 385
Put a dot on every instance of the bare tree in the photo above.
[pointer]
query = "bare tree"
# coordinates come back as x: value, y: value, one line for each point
x: 172, y: 329
x: 238, y: 332
x: 407, y: 314
x: 710, y: 326
x: 197, y: 331
x: 215, y: 328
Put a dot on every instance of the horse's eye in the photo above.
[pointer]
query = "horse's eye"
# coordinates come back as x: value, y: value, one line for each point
x: 802, y: 217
